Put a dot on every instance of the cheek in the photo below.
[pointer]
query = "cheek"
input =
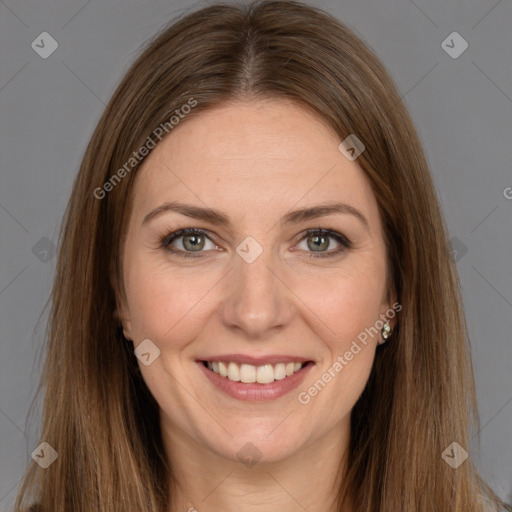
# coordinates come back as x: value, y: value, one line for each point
x: 163, y: 303
x: 348, y: 308
x: 346, y: 301
x: 354, y: 307
x: 338, y: 304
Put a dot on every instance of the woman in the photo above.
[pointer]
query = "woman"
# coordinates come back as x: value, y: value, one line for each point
x: 203, y: 355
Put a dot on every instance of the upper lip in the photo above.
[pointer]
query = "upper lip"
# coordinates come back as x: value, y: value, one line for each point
x: 256, y: 361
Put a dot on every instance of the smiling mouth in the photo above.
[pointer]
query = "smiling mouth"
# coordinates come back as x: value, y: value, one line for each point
x: 250, y: 374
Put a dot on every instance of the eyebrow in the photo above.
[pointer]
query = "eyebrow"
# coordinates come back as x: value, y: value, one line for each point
x: 219, y: 218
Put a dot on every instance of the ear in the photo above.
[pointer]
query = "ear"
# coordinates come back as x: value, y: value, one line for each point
x: 390, y: 309
x: 122, y: 317
x: 121, y: 314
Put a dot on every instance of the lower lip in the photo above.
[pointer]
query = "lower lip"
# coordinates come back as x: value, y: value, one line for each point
x: 255, y: 391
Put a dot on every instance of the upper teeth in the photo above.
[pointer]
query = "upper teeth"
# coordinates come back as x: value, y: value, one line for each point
x: 248, y: 373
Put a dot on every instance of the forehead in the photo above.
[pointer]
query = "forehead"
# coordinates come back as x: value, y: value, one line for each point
x: 252, y: 157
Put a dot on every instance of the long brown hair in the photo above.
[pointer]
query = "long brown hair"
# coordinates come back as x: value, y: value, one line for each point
x: 98, y: 413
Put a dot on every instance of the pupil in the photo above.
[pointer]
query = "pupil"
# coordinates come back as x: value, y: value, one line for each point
x: 319, y: 241
x: 195, y: 244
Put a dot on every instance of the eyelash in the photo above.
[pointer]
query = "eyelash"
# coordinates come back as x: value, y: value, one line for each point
x: 341, y: 239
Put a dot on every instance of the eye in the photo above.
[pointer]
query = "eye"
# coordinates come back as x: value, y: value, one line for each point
x: 319, y: 240
x: 191, y: 240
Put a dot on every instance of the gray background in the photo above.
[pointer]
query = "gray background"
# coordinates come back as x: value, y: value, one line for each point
x: 463, y: 111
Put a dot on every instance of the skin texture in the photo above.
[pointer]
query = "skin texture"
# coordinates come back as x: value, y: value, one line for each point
x: 255, y: 161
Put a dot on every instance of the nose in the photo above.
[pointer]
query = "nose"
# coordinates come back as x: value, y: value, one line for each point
x: 257, y: 300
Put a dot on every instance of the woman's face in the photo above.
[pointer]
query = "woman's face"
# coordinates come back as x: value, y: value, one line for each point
x: 252, y: 292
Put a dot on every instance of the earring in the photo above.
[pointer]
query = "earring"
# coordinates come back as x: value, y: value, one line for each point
x: 386, y: 332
